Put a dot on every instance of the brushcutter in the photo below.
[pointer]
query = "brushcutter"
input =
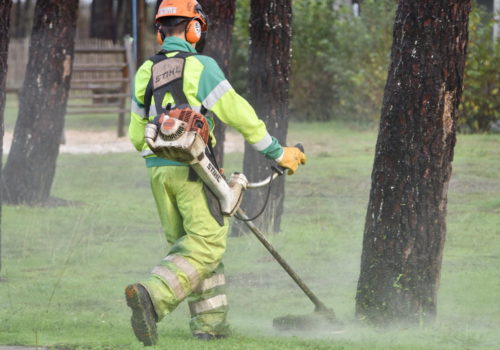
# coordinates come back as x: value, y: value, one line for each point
x: 322, y: 316
x: 182, y: 135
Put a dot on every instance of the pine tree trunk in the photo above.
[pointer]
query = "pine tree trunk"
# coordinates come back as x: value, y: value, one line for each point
x: 5, y: 7
x: 218, y: 46
x: 123, y: 18
x: 31, y: 164
x: 141, y: 23
x: 406, y: 219
x: 269, y: 69
x: 102, y: 22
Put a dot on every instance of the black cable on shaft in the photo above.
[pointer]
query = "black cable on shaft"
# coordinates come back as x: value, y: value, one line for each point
x: 263, y: 207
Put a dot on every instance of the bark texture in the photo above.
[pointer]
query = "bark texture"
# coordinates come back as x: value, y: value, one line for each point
x: 5, y: 7
x: 269, y: 69
x: 102, y: 20
x: 141, y: 24
x: 31, y: 164
x: 406, y: 219
x: 123, y: 18
x: 218, y: 46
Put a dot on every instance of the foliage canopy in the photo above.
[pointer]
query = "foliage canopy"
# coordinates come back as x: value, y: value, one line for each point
x: 480, y: 106
x: 340, y: 62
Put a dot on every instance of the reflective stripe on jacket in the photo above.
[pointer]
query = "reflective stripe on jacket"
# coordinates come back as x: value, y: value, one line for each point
x: 204, y: 85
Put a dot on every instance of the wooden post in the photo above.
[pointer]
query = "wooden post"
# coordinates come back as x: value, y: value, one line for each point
x: 140, y: 31
x: 5, y: 8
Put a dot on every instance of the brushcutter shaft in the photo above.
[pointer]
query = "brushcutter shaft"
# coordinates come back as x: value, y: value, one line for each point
x: 260, y: 236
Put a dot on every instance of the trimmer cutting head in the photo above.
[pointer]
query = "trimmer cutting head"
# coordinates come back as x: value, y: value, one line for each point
x: 323, y: 320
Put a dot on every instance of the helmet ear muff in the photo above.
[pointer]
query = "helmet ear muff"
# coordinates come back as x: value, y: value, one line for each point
x: 193, y: 31
x: 160, y: 36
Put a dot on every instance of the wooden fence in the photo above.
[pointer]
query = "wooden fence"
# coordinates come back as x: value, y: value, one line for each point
x: 101, y: 78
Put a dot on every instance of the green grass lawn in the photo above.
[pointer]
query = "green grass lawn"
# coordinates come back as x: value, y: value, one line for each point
x: 64, y: 269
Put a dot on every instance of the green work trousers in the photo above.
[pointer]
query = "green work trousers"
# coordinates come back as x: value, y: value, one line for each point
x: 193, y: 268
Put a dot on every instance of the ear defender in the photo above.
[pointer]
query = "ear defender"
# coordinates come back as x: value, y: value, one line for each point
x: 160, y: 36
x: 193, y: 31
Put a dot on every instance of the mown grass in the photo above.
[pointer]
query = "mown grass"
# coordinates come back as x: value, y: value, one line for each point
x: 64, y: 268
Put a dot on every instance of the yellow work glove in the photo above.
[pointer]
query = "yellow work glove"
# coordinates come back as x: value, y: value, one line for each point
x: 291, y: 158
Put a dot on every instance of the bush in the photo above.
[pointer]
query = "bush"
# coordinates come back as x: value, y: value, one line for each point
x: 312, y: 82
x: 340, y: 61
x: 239, y: 59
x: 362, y: 59
x: 480, y: 106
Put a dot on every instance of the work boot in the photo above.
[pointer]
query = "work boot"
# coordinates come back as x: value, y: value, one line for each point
x: 143, y: 314
x: 207, y: 336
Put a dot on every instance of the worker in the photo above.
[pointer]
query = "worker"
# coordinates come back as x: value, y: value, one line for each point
x: 193, y: 268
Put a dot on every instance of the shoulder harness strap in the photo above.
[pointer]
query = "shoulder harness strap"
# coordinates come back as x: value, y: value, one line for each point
x: 167, y: 75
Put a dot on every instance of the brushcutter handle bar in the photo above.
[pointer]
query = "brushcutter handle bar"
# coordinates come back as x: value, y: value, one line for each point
x: 277, y: 171
x: 264, y: 182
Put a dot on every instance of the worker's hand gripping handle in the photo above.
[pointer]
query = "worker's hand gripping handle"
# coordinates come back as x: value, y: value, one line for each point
x: 291, y: 158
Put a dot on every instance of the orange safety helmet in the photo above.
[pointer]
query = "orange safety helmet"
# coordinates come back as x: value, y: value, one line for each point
x: 190, y: 9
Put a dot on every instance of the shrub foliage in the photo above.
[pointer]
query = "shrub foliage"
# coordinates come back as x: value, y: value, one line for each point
x: 480, y: 106
x: 340, y: 62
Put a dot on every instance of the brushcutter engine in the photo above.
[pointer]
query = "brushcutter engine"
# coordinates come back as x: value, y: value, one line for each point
x: 182, y: 135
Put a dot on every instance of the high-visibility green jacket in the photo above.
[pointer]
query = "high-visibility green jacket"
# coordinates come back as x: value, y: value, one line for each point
x: 204, y: 85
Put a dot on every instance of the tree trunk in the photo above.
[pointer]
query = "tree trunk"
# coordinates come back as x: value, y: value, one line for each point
x: 102, y: 21
x: 218, y: 46
x: 141, y: 37
x: 269, y: 68
x: 5, y: 7
x: 406, y: 219
x: 157, y: 6
x: 31, y: 164
x: 123, y: 18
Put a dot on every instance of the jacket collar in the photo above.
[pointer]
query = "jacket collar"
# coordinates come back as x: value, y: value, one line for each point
x: 173, y: 43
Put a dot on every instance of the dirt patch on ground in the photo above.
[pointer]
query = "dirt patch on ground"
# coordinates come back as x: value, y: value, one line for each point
x: 84, y: 142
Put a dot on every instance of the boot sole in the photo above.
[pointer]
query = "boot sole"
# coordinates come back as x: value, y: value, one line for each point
x: 143, y: 319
